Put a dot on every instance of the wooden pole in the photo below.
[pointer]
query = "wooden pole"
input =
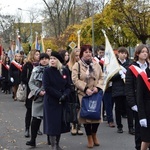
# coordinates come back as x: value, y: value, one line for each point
x: 79, y: 38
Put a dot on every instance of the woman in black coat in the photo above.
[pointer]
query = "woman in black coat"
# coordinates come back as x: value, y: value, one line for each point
x: 5, y: 74
x: 140, y: 57
x: 76, y: 126
x: 15, y: 74
x: 56, y: 82
x: 143, y: 103
x: 32, y: 61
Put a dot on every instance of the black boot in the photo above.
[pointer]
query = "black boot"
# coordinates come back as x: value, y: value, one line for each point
x: 31, y: 143
x: 48, y: 140
x: 57, y: 143
x: 53, y: 142
x: 27, y: 122
x: 27, y: 134
x: 35, y: 124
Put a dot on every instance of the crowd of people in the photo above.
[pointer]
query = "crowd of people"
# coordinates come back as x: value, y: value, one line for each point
x: 51, y: 76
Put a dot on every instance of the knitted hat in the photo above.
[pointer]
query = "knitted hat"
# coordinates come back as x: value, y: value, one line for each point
x: 57, y: 55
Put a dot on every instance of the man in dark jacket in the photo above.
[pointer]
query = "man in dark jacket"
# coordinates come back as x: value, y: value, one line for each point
x: 118, y: 88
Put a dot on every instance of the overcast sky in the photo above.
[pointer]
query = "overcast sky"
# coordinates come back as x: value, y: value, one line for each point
x: 11, y: 6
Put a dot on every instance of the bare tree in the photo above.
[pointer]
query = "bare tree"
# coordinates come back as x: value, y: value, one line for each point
x: 6, y: 23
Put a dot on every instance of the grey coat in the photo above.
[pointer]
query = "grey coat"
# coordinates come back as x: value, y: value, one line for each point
x: 35, y: 85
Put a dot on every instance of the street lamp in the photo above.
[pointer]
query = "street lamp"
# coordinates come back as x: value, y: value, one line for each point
x: 93, y: 28
x: 30, y: 40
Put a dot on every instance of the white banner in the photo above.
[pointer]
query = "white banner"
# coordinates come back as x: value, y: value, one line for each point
x: 111, y: 65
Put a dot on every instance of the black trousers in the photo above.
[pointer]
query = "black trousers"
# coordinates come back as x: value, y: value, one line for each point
x: 91, y: 128
x: 130, y: 117
x: 119, y: 109
x: 28, y: 117
x: 137, y: 132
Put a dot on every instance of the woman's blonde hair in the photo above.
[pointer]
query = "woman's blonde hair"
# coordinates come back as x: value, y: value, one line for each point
x: 30, y: 57
x: 59, y: 66
x: 17, y: 54
x: 72, y: 58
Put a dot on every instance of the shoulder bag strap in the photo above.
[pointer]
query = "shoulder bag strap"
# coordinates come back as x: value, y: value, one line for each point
x: 78, y: 70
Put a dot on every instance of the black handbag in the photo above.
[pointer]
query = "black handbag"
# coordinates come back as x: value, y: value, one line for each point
x: 72, y: 107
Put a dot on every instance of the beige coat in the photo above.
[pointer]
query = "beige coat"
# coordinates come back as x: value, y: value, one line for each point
x: 95, y: 80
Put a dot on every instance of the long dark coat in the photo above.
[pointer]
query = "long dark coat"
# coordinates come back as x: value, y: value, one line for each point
x: 130, y: 86
x: 25, y: 77
x: 6, y: 81
x: 5, y: 73
x: 55, y: 85
x: 143, y: 103
x: 15, y: 73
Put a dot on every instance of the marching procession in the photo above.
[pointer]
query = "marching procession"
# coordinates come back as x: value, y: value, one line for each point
x: 84, y: 83
x: 57, y: 82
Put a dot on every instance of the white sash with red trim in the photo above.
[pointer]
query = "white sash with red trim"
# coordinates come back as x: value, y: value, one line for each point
x: 17, y: 65
x: 135, y: 70
x: 145, y: 79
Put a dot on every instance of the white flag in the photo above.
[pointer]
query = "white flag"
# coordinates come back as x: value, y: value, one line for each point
x: 18, y: 45
x: 111, y: 65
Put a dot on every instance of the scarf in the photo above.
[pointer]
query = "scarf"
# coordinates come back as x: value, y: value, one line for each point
x: 90, y: 70
x: 39, y: 73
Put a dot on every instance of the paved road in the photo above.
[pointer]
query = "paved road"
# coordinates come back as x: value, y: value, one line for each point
x: 12, y: 132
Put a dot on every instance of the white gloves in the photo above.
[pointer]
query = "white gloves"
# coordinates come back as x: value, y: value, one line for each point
x: 143, y: 123
x: 122, y: 74
x: 12, y: 79
x: 134, y: 108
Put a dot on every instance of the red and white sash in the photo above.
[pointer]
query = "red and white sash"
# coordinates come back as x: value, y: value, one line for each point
x: 6, y: 66
x: 145, y: 79
x: 101, y: 61
x: 17, y: 65
x: 135, y: 70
